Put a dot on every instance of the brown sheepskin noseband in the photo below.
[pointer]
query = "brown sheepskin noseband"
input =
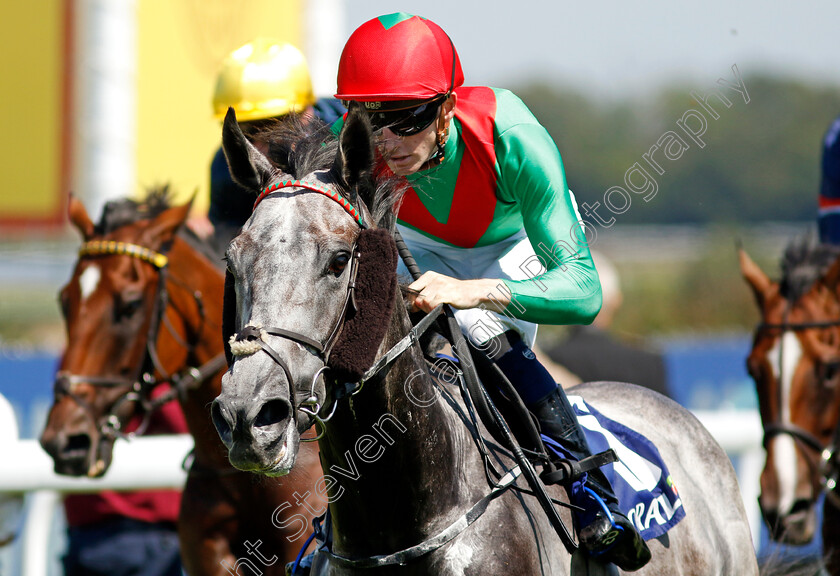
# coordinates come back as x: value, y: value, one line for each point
x: 376, y: 286
x: 365, y: 324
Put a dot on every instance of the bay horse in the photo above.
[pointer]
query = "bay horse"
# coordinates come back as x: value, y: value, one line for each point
x: 144, y: 306
x: 794, y: 362
x: 408, y: 472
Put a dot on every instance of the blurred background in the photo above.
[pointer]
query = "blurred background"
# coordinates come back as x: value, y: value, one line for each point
x: 107, y: 97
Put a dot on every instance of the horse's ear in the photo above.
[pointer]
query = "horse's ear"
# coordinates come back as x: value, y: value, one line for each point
x: 166, y: 224
x: 755, y: 277
x: 79, y: 217
x: 354, y: 161
x: 248, y: 166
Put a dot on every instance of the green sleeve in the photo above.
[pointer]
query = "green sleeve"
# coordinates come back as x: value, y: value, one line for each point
x: 335, y: 127
x: 531, y: 175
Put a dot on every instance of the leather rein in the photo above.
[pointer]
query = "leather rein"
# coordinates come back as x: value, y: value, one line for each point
x: 139, y: 387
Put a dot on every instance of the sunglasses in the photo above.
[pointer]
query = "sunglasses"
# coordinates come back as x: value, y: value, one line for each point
x: 408, y: 121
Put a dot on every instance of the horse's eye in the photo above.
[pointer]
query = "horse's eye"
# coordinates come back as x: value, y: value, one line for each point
x: 339, y: 263
x: 128, y: 307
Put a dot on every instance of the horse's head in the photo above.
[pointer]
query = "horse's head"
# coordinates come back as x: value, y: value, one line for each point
x: 111, y: 307
x: 307, y: 279
x: 795, y: 362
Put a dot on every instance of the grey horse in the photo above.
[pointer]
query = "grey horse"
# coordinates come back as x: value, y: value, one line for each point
x: 404, y: 469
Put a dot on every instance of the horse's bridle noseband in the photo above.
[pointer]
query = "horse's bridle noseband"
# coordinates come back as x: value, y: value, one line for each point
x: 252, y: 338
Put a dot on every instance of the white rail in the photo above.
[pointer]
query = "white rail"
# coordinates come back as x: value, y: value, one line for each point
x: 151, y: 462
x: 155, y: 462
x: 142, y: 463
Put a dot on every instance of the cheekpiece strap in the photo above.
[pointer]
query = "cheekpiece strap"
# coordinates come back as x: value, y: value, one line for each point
x: 314, y: 187
x: 102, y: 247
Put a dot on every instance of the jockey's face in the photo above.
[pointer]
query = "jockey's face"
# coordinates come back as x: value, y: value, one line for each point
x: 406, y: 154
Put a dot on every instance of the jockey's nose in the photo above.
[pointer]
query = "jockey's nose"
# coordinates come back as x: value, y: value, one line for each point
x: 387, y: 140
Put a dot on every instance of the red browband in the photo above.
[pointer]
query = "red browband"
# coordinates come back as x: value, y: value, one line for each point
x: 315, y: 187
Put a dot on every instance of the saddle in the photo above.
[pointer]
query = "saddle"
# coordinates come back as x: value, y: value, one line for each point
x: 650, y: 499
x: 524, y: 426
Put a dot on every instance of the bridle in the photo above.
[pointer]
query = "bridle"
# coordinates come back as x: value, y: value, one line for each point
x: 251, y: 338
x: 139, y: 387
x: 829, y: 465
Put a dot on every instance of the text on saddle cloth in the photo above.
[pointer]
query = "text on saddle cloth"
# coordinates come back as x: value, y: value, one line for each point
x: 640, y: 479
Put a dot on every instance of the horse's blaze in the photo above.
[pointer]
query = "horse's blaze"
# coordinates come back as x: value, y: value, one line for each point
x: 784, y: 357
x: 89, y: 281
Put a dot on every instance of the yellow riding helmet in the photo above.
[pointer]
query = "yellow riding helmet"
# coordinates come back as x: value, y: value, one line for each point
x: 263, y: 79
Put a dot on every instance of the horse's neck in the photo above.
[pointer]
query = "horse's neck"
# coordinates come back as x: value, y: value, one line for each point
x: 392, y: 452
x: 195, y: 289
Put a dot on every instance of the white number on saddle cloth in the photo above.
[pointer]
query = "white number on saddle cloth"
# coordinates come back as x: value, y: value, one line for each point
x: 640, y: 479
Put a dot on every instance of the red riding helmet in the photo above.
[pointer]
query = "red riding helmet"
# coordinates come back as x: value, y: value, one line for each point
x: 398, y: 57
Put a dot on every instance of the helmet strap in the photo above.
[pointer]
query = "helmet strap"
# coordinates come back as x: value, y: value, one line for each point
x: 442, y: 131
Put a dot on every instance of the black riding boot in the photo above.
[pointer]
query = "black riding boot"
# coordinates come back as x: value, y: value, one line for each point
x: 629, y: 552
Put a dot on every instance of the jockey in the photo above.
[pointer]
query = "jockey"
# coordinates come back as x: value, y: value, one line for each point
x: 489, y: 218
x: 829, y: 206
x: 264, y: 81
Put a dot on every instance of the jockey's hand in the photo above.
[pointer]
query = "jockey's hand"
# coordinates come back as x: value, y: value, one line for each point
x: 434, y: 289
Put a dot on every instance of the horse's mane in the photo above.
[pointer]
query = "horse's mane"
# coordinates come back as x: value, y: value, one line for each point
x: 300, y: 146
x: 124, y: 211
x: 805, y: 260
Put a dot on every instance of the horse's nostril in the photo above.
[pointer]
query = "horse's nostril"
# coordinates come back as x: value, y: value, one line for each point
x: 272, y: 412
x: 801, y: 506
x: 223, y: 427
x: 77, y: 442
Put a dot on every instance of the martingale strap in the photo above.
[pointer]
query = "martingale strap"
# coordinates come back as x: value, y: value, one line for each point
x: 103, y: 247
x: 314, y: 187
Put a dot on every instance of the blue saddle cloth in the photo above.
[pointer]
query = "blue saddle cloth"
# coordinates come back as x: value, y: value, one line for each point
x: 641, y: 482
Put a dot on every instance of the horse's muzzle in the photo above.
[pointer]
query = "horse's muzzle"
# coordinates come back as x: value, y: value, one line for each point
x: 795, y: 528
x: 78, y: 454
x: 256, y: 434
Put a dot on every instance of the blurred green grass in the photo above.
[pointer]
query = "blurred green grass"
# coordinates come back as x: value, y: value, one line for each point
x: 30, y: 318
